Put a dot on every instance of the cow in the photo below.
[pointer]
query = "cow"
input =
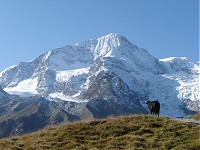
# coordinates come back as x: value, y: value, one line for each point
x: 154, y: 107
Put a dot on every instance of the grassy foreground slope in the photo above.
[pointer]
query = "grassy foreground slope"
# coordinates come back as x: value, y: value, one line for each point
x: 196, y: 116
x: 129, y: 132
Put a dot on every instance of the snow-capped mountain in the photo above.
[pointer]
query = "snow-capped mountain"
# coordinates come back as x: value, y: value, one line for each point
x: 109, y: 69
x: 184, y: 75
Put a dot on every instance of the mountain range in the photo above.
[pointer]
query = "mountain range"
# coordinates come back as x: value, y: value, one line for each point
x: 98, y: 78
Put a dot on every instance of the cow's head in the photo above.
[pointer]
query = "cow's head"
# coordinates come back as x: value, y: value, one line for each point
x: 146, y: 102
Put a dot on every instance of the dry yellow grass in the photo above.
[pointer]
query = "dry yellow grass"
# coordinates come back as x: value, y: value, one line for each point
x: 129, y: 132
x: 196, y: 116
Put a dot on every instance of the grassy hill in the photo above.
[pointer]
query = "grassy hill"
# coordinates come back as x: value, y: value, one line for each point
x: 196, y: 116
x: 129, y: 132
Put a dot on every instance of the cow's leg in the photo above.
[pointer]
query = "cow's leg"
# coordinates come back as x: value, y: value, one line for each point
x: 151, y: 112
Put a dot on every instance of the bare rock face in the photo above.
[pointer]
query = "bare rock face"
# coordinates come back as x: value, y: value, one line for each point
x: 24, y: 115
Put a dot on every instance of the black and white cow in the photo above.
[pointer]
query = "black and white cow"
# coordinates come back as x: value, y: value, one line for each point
x: 154, y: 106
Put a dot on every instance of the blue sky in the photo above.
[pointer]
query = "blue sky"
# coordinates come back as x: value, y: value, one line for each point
x: 165, y: 28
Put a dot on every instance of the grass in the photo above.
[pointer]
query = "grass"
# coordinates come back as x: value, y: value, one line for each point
x: 129, y: 132
x: 196, y: 116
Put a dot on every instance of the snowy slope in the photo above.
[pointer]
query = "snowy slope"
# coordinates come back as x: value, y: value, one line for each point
x: 186, y: 76
x: 65, y: 73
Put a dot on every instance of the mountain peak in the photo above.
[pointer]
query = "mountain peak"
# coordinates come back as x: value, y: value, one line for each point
x: 112, y: 45
x: 171, y: 59
x: 114, y: 37
x: 111, y: 35
x: 180, y: 64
